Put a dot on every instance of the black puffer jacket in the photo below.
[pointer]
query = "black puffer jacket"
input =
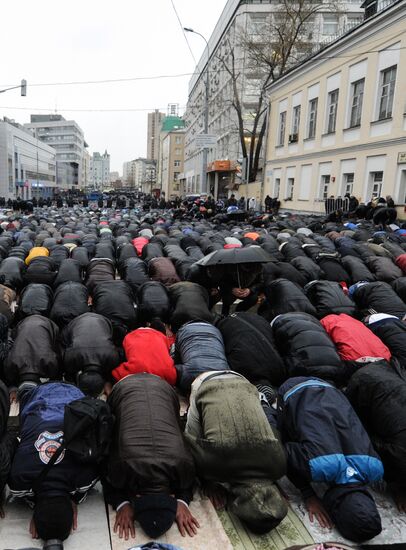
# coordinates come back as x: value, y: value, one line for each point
x: 308, y: 268
x: 35, y: 353
x: 35, y: 299
x: 153, y: 302
x: 399, y: 286
x: 149, y: 453
x: 392, y: 332
x: 69, y: 270
x: 70, y: 301
x: 328, y: 297
x: 333, y: 269
x: 384, y: 269
x: 282, y: 270
x: 12, y: 272
x: 292, y: 249
x: 190, y: 359
x: 42, y: 269
x: 189, y: 302
x: 81, y: 255
x: 283, y: 296
x: 357, y: 269
x: 114, y: 300
x: 380, y: 297
x: 134, y: 272
x: 99, y: 270
x: 250, y: 349
x: 378, y: 396
x: 58, y: 254
x: 306, y: 348
x: 88, y: 341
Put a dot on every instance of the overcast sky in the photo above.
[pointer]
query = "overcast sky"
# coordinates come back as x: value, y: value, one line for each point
x: 48, y: 41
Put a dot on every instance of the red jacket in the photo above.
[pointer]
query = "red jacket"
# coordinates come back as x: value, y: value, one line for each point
x: 353, y: 340
x: 147, y: 350
x: 139, y: 243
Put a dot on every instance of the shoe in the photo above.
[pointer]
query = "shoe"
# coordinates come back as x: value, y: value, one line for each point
x: 266, y: 393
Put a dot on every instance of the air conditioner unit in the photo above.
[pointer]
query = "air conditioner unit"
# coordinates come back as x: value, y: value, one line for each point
x: 293, y: 138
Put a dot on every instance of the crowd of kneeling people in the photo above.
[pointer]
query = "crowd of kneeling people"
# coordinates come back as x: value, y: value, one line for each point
x: 298, y: 391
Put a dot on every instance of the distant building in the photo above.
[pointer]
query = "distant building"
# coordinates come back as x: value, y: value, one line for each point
x: 171, y: 162
x: 67, y: 138
x: 27, y: 164
x: 100, y: 171
x: 338, y: 123
x: 114, y: 176
x: 85, y: 182
x: 251, y: 17
x: 155, y: 120
x: 129, y: 173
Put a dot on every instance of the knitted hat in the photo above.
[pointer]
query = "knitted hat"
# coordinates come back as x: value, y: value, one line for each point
x: 155, y: 513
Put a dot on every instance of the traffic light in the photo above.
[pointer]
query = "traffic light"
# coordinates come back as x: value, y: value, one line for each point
x: 23, y: 87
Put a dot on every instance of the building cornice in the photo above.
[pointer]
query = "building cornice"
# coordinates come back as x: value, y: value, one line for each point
x: 353, y: 38
x: 339, y: 151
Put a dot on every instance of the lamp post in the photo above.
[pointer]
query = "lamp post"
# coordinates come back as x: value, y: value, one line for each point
x: 205, y: 114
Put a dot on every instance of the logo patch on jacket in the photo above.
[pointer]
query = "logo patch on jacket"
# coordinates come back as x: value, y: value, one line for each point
x: 47, y: 444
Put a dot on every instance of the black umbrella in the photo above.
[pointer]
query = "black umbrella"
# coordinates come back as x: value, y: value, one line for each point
x: 234, y: 256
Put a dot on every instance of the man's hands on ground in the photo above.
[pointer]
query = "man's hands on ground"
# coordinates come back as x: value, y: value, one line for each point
x: 186, y: 522
x: 217, y: 495
x: 124, y: 523
x: 75, y: 516
x: 33, y: 529
x: 316, y: 510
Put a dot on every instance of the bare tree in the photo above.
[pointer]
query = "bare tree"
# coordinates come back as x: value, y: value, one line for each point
x: 268, y: 53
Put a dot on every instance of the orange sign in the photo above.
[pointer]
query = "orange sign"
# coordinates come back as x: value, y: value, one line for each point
x: 219, y: 166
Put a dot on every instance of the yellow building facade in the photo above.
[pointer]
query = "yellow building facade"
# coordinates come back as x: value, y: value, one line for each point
x: 337, y: 121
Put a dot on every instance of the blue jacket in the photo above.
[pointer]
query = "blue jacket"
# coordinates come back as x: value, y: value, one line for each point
x: 324, y: 438
x: 199, y: 348
x: 41, y: 421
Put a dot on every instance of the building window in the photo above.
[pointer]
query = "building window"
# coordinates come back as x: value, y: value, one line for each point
x: 294, y: 137
x: 357, y: 98
x: 178, y: 151
x: 176, y: 163
x: 330, y: 24
x: 282, y: 128
x: 290, y: 188
x: 386, y: 92
x: 178, y: 140
x: 377, y: 180
x: 312, y: 120
x: 276, y: 187
x: 332, y: 104
x: 348, y: 183
x: 325, y: 183
x: 175, y: 176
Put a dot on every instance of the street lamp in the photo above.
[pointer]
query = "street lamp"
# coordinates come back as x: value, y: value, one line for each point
x: 23, y: 87
x: 206, y: 111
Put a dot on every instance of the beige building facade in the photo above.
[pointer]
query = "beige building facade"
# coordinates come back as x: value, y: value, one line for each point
x: 337, y: 122
x: 155, y: 120
x: 171, y: 163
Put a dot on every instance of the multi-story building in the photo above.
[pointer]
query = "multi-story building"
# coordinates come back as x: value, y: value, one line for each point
x: 171, y: 163
x: 240, y: 17
x: 67, y: 138
x: 85, y: 181
x: 27, y: 165
x: 155, y: 120
x: 338, y: 119
x: 129, y: 173
x: 100, y: 171
x: 114, y: 176
x: 144, y: 174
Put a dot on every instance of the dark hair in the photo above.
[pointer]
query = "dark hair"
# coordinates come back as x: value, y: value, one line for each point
x: 91, y: 382
x: 157, y: 324
x: 53, y: 516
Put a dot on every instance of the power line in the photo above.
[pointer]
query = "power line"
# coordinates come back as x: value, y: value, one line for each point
x: 49, y: 110
x: 183, y: 32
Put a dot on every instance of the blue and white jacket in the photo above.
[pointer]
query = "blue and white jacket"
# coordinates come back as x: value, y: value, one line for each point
x: 324, y: 438
x: 41, y: 434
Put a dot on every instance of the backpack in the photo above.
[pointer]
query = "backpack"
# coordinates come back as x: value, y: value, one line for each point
x: 88, y: 426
